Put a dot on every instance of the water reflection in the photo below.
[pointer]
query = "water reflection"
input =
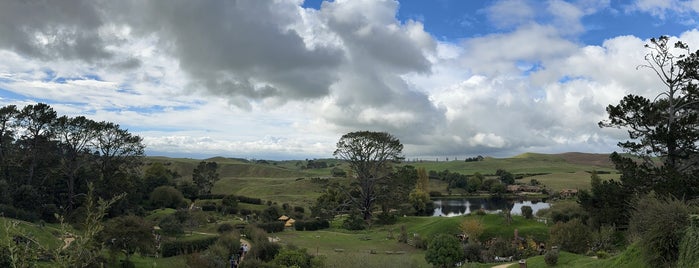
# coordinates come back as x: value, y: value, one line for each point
x: 463, y: 206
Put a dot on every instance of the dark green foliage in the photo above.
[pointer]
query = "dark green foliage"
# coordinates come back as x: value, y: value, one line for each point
x: 663, y: 132
x: 205, y: 175
x: 370, y: 156
x: 257, y: 263
x: 607, y: 203
x: 386, y: 218
x: 551, y: 257
x: 167, y: 197
x: 230, y: 201
x: 271, y: 227
x: 572, y: 236
x: 505, y: 176
x: 271, y: 213
x: 444, y: 251
x: 353, y: 222
x: 296, y: 257
x: 249, y: 200
x: 312, y: 225
x: 264, y: 250
x: 659, y: 223
x: 170, y: 225
x: 472, y: 252
x: 225, y: 228
x: 178, y: 247
x: 128, y: 234
x: 689, y: 246
x: 15, y: 213
x: 564, y: 212
x: 527, y: 212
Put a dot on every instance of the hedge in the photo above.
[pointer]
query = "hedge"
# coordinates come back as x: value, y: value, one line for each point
x: 177, y: 247
x: 272, y: 227
x: 311, y: 225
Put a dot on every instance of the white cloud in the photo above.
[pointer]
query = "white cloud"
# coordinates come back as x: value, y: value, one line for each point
x: 270, y: 78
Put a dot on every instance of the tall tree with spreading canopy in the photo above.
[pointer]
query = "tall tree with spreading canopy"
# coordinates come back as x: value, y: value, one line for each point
x: 205, y: 175
x: 370, y: 156
x: 663, y: 132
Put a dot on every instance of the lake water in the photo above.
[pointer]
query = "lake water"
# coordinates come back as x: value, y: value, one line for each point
x: 456, y: 207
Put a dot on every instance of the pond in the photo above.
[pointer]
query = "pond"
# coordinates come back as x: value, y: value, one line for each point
x: 456, y: 207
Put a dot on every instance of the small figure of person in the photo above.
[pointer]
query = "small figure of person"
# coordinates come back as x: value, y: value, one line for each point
x: 245, y: 249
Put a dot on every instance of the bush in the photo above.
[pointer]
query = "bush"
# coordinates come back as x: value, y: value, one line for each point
x: 272, y: 227
x: 15, y: 213
x: 167, y: 197
x: 311, y: 225
x: 551, y: 257
x: 386, y: 218
x: 170, y: 225
x: 353, y: 222
x: 208, y: 206
x: 472, y: 252
x: 178, y: 247
x: 249, y: 200
x: 527, y: 212
x: 264, y: 250
x: 444, y: 251
x: 601, y: 254
x: 225, y: 228
x: 659, y: 223
x: 571, y: 236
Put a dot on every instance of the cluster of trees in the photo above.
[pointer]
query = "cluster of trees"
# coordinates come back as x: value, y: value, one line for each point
x: 659, y: 167
x: 47, y: 160
x: 476, y: 182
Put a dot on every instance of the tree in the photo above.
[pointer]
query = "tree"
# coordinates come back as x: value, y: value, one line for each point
x: 472, y: 228
x: 76, y: 136
x: 129, y: 234
x: 37, y: 123
x: 444, y: 251
x: 571, y: 236
x: 663, y: 132
x: 370, y: 155
x: 205, y: 175
x: 167, y: 197
x: 505, y: 176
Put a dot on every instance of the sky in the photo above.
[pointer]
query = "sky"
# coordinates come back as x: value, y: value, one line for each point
x: 285, y: 79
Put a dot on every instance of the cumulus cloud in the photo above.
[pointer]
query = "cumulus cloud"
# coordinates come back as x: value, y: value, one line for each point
x: 254, y: 78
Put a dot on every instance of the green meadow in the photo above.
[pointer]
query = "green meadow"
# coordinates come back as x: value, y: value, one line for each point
x: 289, y: 182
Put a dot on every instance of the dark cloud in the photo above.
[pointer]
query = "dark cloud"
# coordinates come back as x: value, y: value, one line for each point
x: 239, y: 49
x: 52, y: 29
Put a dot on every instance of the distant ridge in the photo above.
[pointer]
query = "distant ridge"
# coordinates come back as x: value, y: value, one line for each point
x: 590, y: 159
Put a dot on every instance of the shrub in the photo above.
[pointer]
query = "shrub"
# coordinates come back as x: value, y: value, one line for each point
x: 208, y: 206
x: 386, y: 218
x: 249, y: 200
x: 527, y: 212
x: 571, y: 236
x: 264, y: 250
x: 225, y: 228
x: 689, y: 246
x: 15, y: 213
x: 167, y: 197
x: 272, y: 227
x: 353, y: 222
x: 170, y: 225
x: 472, y: 252
x: 311, y: 225
x: 444, y: 251
x: 230, y: 201
x: 551, y: 257
x: 601, y: 254
x: 659, y: 223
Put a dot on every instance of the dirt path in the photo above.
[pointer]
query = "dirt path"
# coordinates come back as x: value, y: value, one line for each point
x: 504, y: 265
x: 67, y: 242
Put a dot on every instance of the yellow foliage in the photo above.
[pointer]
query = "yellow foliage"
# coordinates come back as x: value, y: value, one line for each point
x: 472, y: 227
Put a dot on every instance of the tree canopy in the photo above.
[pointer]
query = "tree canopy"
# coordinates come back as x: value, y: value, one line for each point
x: 370, y: 156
